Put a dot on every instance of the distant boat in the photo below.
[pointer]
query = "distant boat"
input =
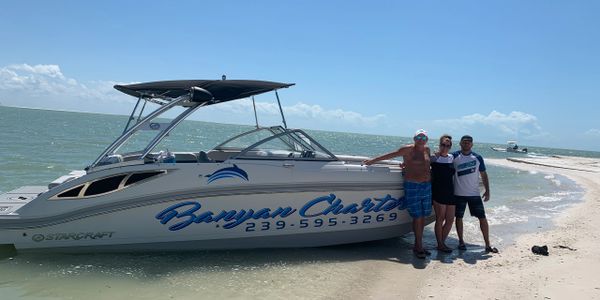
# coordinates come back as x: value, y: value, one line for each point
x: 511, y: 146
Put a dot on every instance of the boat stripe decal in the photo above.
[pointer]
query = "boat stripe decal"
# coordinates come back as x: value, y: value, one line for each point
x: 171, y: 196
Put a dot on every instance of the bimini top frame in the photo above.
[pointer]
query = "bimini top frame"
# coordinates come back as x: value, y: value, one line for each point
x: 192, y: 94
x: 201, y: 91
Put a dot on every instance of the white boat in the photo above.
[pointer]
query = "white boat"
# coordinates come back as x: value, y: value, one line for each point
x: 269, y: 187
x: 511, y: 146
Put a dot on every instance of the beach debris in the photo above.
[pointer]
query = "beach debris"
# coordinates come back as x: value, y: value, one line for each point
x: 565, y: 247
x: 540, y: 250
x: 491, y: 250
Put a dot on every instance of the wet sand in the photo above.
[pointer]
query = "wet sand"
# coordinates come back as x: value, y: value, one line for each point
x: 569, y: 272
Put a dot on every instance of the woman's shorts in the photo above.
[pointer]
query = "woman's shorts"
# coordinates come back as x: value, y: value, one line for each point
x: 444, y: 198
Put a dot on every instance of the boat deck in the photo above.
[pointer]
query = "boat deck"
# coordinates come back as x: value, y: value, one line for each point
x: 15, y: 199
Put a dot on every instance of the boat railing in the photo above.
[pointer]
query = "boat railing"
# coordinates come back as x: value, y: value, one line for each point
x: 131, y: 131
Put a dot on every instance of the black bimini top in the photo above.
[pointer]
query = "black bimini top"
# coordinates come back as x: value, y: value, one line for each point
x: 218, y: 90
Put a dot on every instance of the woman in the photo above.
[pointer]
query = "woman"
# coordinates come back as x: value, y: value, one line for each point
x: 442, y: 189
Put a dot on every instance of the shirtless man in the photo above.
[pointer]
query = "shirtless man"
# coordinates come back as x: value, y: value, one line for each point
x: 417, y: 184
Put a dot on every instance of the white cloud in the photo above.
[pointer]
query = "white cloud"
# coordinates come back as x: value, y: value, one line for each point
x: 593, y: 132
x: 46, y: 86
x: 302, y: 111
x: 47, y: 70
x: 317, y: 112
x: 495, y: 125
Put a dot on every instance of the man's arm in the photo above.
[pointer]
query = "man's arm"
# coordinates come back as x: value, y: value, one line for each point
x: 486, y: 185
x: 400, y: 152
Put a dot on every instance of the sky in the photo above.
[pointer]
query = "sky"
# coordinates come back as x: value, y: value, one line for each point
x: 498, y: 70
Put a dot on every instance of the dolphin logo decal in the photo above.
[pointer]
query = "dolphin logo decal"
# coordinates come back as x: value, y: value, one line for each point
x: 230, y: 172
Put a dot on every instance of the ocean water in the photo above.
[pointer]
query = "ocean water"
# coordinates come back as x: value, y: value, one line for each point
x: 37, y: 146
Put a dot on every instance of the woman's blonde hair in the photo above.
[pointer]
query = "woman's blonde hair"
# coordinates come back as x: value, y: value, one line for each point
x: 445, y: 136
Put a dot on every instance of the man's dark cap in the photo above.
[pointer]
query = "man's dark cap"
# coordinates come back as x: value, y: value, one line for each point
x: 466, y: 137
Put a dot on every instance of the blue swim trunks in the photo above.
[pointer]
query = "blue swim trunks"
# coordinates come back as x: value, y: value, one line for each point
x: 417, y: 196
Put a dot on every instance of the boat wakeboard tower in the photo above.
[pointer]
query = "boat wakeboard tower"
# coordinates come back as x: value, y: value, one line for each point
x: 192, y: 94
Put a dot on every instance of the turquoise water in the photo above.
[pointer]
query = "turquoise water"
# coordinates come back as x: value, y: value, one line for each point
x: 37, y: 146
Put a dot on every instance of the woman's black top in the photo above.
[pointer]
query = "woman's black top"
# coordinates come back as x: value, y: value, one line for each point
x: 442, y: 185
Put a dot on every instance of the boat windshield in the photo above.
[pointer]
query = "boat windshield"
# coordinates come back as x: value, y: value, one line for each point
x: 249, y: 138
x: 276, y: 143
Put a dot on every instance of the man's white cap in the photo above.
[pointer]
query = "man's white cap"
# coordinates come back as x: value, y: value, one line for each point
x: 421, y: 132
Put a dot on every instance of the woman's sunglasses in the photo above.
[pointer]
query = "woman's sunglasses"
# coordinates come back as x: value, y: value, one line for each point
x: 420, y: 138
x: 446, y: 146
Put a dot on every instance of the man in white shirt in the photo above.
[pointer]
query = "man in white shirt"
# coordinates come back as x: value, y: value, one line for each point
x: 469, y: 165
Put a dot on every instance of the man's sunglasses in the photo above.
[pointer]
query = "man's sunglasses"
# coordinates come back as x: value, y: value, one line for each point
x: 446, y: 146
x: 421, y: 138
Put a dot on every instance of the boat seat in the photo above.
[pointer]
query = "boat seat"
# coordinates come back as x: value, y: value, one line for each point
x: 203, y: 157
x: 185, y: 157
x: 221, y: 155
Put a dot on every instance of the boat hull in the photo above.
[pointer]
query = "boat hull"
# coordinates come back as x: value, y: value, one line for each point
x: 273, y: 220
x: 508, y: 150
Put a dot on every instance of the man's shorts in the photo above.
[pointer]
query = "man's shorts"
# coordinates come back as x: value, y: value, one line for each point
x: 475, y: 206
x: 417, y: 196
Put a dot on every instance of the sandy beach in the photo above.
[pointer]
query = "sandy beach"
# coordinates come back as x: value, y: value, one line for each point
x: 569, y: 272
